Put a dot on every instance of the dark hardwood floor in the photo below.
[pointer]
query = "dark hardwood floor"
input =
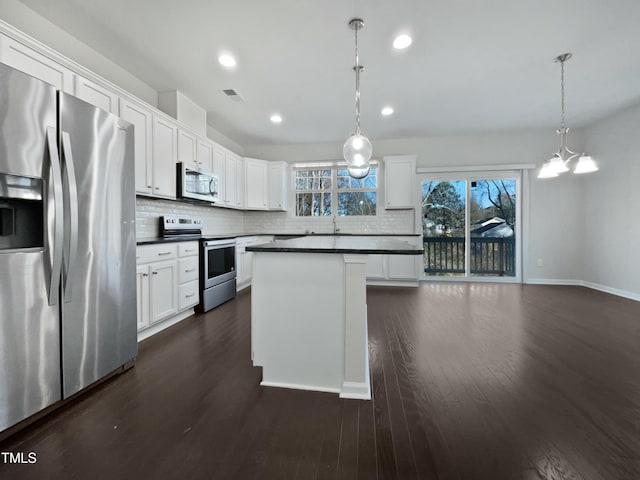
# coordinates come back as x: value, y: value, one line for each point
x: 470, y: 381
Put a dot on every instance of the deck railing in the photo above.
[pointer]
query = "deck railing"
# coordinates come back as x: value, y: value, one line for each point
x: 489, y: 256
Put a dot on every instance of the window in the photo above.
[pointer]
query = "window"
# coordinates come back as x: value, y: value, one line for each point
x: 470, y: 224
x: 331, y: 191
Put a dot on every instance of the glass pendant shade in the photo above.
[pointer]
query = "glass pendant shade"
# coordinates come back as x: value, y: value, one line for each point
x: 585, y: 165
x: 557, y: 164
x: 357, y: 152
x: 547, y: 170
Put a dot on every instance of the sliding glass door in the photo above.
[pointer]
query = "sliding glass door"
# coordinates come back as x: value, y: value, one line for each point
x: 470, y: 225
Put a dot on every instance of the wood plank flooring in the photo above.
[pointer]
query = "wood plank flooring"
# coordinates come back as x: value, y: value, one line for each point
x: 470, y: 381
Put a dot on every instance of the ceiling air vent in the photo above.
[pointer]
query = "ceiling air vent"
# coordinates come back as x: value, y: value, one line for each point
x: 232, y: 94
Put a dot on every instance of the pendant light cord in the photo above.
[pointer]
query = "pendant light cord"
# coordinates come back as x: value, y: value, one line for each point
x: 357, y: 69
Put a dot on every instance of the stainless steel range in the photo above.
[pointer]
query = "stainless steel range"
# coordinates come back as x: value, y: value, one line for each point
x: 217, y: 260
x: 217, y: 272
x: 174, y: 226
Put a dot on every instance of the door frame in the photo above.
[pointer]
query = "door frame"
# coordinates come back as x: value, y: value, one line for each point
x: 521, y: 175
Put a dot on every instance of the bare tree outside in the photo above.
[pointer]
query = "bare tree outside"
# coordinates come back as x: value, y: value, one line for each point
x: 492, y: 216
x: 327, y: 192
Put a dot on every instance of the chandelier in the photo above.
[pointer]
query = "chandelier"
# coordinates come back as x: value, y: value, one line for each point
x: 357, y: 149
x: 560, y: 161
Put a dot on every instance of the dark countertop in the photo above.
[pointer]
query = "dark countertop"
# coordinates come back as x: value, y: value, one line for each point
x: 191, y: 238
x: 339, y: 244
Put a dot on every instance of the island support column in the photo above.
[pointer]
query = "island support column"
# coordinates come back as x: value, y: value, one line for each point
x: 356, y: 382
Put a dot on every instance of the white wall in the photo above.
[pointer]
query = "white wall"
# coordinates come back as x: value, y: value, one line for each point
x: 612, y: 204
x: 225, y: 141
x: 33, y: 24
x: 554, y: 210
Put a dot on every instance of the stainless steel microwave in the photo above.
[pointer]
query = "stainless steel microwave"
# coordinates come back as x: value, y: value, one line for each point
x: 197, y: 184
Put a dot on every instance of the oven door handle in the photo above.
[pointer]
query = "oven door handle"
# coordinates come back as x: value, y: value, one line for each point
x: 219, y: 244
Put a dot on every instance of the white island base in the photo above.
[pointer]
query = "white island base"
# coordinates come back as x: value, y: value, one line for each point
x: 309, y: 322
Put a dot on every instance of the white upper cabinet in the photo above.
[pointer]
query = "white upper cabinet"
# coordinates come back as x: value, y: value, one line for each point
x: 165, y: 154
x: 142, y: 120
x: 399, y: 182
x: 29, y: 61
x: 230, y: 176
x: 218, y: 169
x: 97, y: 95
x: 256, y: 184
x: 187, y: 148
x: 204, y: 155
x: 240, y: 173
x: 278, y: 185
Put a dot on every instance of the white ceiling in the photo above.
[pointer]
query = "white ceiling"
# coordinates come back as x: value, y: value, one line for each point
x: 474, y: 66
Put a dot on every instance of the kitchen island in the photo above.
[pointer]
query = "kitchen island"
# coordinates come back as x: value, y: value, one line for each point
x: 309, y: 311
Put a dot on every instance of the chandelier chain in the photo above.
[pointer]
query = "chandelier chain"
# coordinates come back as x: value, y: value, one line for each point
x: 562, y: 123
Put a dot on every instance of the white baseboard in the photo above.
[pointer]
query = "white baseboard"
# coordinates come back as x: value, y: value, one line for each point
x: 356, y: 390
x: 393, y: 283
x: 554, y: 281
x: 613, y: 291
x: 582, y: 283
x: 295, y: 386
x: 158, y: 327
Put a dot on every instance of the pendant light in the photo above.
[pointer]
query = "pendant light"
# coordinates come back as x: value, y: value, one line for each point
x: 357, y: 149
x: 559, y: 162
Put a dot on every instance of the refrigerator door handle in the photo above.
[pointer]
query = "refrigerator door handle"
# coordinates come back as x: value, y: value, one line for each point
x: 58, y: 225
x: 71, y: 248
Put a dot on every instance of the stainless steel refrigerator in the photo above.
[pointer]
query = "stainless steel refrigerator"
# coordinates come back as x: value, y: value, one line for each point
x: 67, y: 245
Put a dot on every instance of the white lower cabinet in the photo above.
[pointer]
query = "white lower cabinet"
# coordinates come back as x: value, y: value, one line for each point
x: 402, y: 267
x: 394, y: 268
x: 142, y: 292
x: 376, y: 266
x: 163, y: 293
x: 188, y: 275
x: 167, y: 281
x: 244, y: 259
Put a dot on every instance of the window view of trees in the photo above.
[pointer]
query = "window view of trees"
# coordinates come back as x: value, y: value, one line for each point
x: 492, y: 217
x: 443, y: 208
x: 317, y: 191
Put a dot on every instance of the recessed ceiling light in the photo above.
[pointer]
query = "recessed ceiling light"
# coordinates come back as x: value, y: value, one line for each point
x: 402, y: 41
x: 387, y: 111
x: 275, y: 118
x: 227, y: 60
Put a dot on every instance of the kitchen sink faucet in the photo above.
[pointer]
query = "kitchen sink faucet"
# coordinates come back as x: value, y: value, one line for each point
x: 335, y: 227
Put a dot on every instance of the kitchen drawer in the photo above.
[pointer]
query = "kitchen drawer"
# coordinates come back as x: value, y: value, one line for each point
x: 186, y: 249
x: 187, y: 269
x: 153, y: 253
x: 188, y: 295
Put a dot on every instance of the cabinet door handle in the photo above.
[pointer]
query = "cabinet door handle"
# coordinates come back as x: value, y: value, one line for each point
x: 164, y: 253
x: 157, y: 188
x: 189, y: 296
x: 149, y: 186
x: 190, y: 270
x: 189, y: 251
x: 145, y: 274
x: 155, y: 273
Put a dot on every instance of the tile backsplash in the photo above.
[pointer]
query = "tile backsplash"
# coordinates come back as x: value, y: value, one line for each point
x: 387, y: 221
x: 216, y: 220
